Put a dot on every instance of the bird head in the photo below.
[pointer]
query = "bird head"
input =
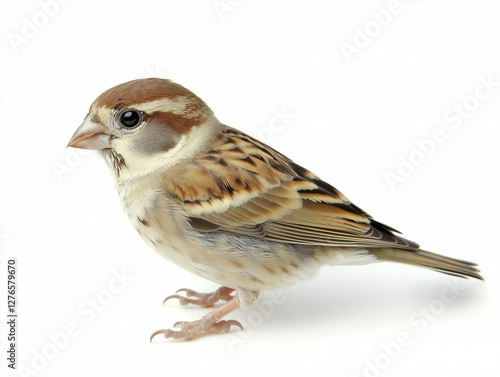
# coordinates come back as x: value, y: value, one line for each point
x: 144, y: 125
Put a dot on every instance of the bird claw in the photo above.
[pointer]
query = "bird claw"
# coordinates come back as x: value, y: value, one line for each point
x: 182, y: 300
x: 189, y: 330
x: 231, y: 322
x: 190, y: 292
x: 180, y: 324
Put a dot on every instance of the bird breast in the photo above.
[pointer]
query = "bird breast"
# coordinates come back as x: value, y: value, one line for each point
x: 227, y: 259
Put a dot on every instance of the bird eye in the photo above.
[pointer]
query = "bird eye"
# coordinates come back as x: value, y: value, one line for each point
x: 130, y: 118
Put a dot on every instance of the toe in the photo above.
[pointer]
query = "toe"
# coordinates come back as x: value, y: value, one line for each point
x: 165, y: 332
x: 182, y: 300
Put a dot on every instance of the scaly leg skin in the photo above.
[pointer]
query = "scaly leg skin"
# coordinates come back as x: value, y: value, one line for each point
x: 208, y: 323
x: 204, y: 300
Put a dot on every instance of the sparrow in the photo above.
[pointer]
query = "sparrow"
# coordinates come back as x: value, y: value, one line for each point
x: 227, y: 207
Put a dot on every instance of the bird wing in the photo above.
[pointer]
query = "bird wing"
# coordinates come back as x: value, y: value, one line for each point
x: 244, y: 187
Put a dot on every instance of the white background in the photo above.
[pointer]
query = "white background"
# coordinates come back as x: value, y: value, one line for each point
x: 355, y: 118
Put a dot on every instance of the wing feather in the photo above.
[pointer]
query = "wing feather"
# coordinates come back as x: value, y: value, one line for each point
x: 243, y: 186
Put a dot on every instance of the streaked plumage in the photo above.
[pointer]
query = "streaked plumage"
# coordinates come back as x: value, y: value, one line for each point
x: 227, y: 207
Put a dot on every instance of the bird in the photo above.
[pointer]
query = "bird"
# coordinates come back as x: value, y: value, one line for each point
x: 227, y: 207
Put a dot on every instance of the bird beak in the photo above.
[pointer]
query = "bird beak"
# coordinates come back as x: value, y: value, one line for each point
x: 90, y: 135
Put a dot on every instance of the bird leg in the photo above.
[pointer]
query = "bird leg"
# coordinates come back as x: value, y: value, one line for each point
x: 204, y: 300
x: 208, y: 323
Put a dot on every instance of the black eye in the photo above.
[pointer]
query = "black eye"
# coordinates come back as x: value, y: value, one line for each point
x: 130, y: 118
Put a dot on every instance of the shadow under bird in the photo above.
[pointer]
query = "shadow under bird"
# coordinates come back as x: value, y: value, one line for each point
x: 227, y: 207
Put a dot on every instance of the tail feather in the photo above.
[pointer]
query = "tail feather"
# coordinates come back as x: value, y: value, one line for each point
x: 437, y: 262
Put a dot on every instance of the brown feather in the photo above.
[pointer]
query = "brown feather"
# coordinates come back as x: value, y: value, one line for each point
x: 243, y: 186
x: 422, y: 258
x: 143, y: 90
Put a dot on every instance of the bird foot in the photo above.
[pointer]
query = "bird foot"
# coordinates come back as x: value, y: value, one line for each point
x: 204, y: 300
x: 188, y: 330
x: 207, y: 324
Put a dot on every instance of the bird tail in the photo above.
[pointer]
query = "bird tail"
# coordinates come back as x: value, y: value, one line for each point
x: 436, y: 262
